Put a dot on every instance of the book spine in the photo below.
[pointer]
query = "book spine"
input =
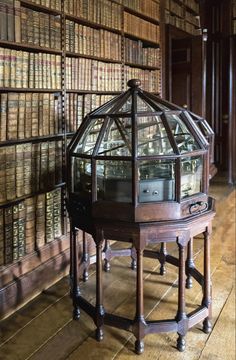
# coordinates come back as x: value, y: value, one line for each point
x: 51, y: 163
x: 21, y: 230
x: 15, y: 237
x: 28, y: 110
x: 40, y: 221
x: 34, y: 114
x: 8, y: 234
x: 49, y: 217
x: 3, y: 116
x: 7, y: 67
x: 1, y: 237
x: 10, y: 21
x: 44, y: 166
x: 28, y: 185
x: 12, y: 116
x: 3, y: 196
x: 30, y: 225
x: 10, y: 172
x: 21, y: 116
x: 3, y: 20
x: 19, y: 170
x: 17, y: 9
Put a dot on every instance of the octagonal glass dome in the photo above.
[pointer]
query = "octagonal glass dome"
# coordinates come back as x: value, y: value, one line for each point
x: 138, y: 158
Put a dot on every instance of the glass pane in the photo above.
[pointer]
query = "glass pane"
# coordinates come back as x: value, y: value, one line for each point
x: 127, y: 106
x: 142, y: 106
x: 88, y: 140
x: 185, y: 141
x: 191, y: 175
x: 114, y: 180
x: 156, y: 180
x: 82, y: 177
x: 117, y: 138
x: 152, y: 137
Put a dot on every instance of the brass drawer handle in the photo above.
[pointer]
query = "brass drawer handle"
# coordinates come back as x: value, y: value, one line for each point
x: 198, y: 206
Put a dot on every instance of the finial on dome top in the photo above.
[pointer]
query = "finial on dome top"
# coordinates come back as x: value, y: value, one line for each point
x: 134, y: 83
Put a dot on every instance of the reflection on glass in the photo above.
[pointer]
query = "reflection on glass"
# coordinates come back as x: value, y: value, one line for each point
x: 127, y: 106
x: 114, y: 180
x: 191, y: 175
x: 152, y: 137
x: 156, y: 180
x: 88, y: 140
x: 183, y: 138
x: 117, y: 138
x: 143, y: 106
x: 82, y: 176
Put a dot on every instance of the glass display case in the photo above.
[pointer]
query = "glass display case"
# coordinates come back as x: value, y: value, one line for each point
x: 139, y: 158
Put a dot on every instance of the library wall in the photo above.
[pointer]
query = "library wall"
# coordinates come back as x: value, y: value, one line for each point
x: 59, y: 60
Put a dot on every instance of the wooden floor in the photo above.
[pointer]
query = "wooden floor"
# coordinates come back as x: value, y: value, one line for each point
x: 44, y: 329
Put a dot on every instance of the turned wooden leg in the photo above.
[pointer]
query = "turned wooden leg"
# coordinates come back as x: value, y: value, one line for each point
x: 71, y: 261
x: 75, y: 281
x: 99, y: 291
x: 85, y: 258
x: 133, y: 258
x: 107, y: 250
x: 139, y: 322
x: 163, y: 253
x: 207, y: 301
x: 181, y: 317
x: 189, y: 264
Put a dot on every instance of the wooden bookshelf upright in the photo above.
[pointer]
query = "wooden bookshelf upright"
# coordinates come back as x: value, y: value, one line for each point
x: 232, y: 95
x: 59, y: 59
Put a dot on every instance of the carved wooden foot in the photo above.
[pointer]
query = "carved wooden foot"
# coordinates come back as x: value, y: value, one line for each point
x: 181, y: 343
x: 133, y: 264
x: 189, y: 282
x: 76, y: 313
x: 85, y: 275
x: 162, y: 270
x: 207, y: 326
x: 99, y: 334
x: 107, y: 266
x: 139, y: 347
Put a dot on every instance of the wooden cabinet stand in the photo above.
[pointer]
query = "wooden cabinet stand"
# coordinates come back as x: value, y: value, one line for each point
x: 140, y: 235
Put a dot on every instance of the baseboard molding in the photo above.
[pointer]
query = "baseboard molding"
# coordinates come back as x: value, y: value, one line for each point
x: 25, y: 287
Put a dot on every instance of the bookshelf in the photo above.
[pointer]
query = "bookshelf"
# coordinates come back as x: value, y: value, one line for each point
x: 59, y: 60
x: 184, y: 15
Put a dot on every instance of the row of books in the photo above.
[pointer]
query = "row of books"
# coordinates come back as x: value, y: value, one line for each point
x: 78, y: 106
x: 52, y: 4
x: 133, y: 25
x: 40, y: 29
x: 136, y: 53
x: 26, y: 115
x: 150, y: 80
x: 234, y: 9
x: 27, y: 226
x: 195, y: 20
x: 89, y: 41
x: 179, y: 9
x: 20, y: 69
x: 87, y: 74
x: 10, y: 20
x: 28, y: 168
x: 148, y: 7
x: 192, y: 4
x: 181, y: 23
x: 176, y: 8
x: 104, y: 12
